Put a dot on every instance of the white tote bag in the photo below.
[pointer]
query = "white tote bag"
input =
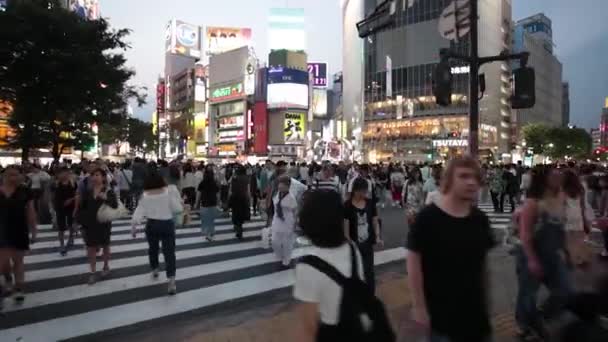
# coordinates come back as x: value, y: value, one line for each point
x: 109, y: 214
x: 266, y: 241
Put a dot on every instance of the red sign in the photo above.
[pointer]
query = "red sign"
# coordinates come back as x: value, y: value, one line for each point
x: 160, y: 98
x: 260, y: 125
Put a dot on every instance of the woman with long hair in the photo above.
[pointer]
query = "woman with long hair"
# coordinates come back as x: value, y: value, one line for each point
x: 397, y: 178
x: 208, y: 191
x: 158, y: 206
x: 238, y: 200
x: 284, y: 221
x: 63, y: 199
x: 96, y: 193
x: 17, y: 223
x: 540, y: 256
x: 577, y: 224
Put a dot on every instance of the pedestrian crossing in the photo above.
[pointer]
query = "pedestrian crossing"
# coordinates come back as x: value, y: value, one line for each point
x: 60, y: 305
x: 498, y: 221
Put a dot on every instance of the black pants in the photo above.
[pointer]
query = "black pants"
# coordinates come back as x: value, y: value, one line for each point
x: 65, y: 218
x: 254, y: 202
x: 190, y: 194
x: 161, y: 231
x: 511, y: 197
x: 127, y: 199
x: 367, y: 256
x: 494, y: 196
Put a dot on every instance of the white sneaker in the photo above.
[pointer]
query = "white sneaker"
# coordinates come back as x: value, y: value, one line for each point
x: 155, y: 273
x: 172, y: 288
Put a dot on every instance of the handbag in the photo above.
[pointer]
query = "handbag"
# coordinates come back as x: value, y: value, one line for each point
x: 266, y: 241
x: 105, y: 213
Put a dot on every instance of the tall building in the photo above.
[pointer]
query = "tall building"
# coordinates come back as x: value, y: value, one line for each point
x: 534, y: 35
x: 565, y: 103
x: 395, y: 110
x: 604, y: 125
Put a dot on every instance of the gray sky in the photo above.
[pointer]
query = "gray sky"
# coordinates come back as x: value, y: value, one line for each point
x: 580, y: 32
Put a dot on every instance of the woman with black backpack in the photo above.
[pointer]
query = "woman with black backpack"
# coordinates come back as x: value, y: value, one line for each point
x: 330, y: 282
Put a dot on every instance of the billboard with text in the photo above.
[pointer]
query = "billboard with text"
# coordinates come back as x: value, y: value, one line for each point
x: 222, y: 39
x: 183, y: 39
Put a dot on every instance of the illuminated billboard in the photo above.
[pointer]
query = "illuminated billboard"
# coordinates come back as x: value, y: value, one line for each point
x: 231, y: 92
x: 222, y: 39
x: 200, y: 83
x: 183, y: 39
x: 287, y: 75
x: 86, y: 9
x: 294, y: 128
x: 288, y: 95
x: 319, y: 102
x: 286, y: 29
x: 318, y: 74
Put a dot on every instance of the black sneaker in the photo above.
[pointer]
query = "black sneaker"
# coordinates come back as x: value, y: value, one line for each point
x: 19, y: 296
x: 64, y: 252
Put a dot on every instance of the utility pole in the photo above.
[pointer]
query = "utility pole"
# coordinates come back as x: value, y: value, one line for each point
x: 474, y: 82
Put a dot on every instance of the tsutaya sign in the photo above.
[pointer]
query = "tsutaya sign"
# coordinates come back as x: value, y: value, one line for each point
x: 450, y: 143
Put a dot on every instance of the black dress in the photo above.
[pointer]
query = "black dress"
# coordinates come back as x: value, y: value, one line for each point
x: 239, y: 199
x: 14, y: 232
x: 96, y: 234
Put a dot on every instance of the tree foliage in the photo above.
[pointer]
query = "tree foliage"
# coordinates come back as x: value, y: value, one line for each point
x: 61, y: 74
x: 141, y: 138
x: 557, y: 142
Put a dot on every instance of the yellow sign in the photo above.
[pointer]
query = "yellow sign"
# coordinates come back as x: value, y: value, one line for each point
x: 199, y: 127
x: 294, y: 128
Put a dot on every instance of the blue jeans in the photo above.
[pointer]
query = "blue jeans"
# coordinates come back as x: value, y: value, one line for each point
x: 555, y: 277
x: 208, y: 216
x: 158, y: 231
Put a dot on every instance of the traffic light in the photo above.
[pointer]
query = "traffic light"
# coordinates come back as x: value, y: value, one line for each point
x: 442, y: 83
x: 524, y: 94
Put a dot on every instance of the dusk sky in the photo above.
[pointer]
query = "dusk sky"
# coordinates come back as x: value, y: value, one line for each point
x: 580, y: 34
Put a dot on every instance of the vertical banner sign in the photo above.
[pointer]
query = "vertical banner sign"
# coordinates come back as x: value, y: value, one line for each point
x: 399, y: 107
x: 260, y: 126
x: 389, y: 76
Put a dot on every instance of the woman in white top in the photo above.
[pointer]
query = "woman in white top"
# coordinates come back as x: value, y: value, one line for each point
x: 284, y: 221
x: 577, y: 225
x: 189, y: 185
x: 158, y: 204
x: 321, y: 219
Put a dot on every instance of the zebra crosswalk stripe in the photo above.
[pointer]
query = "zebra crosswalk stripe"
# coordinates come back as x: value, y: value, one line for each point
x: 60, y: 305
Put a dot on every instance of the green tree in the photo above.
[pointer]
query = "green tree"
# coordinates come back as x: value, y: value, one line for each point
x: 572, y: 142
x: 536, y: 137
x: 140, y: 136
x: 113, y: 133
x: 61, y: 74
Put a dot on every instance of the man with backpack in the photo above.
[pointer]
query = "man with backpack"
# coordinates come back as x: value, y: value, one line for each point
x: 446, y: 262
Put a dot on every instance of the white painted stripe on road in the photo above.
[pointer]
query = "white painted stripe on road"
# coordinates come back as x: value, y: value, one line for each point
x: 128, y: 314
x: 180, y: 231
x: 49, y: 273
x: 79, y: 252
x: 129, y: 283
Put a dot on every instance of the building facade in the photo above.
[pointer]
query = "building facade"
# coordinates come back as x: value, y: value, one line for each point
x: 534, y: 35
x: 399, y: 118
x: 565, y: 103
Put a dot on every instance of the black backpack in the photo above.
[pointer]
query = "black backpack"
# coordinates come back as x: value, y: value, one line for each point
x: 357, y: 301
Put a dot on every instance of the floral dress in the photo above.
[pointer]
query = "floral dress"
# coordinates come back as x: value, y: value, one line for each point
x: 413, y: 197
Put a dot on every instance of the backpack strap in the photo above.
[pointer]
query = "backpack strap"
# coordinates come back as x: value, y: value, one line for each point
x: 324, y: 267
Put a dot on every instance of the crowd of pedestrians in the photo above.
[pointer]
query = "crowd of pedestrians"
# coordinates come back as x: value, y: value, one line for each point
x: 336, y: 208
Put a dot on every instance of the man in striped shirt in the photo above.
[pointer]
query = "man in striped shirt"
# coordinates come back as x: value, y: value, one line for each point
x: 326, y: 180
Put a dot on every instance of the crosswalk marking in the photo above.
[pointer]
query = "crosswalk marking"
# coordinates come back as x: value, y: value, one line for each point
x: 60, y: 305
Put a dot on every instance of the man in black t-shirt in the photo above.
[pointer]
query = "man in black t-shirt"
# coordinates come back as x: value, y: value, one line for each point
x: 446, y: 263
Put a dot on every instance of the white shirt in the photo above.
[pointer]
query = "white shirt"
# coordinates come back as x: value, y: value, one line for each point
x: 37, y: 178
x: 289, y: 206
x: 189, y: 181
x: 312, y: 286
x: 159, y: 206
x: 304, y: 173
x: 124, y: 178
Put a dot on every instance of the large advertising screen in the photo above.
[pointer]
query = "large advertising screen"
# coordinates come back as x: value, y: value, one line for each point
x: 286, y: 75
x: 288, y: 95
x: 286, y: 29
x: 294, y: 128
x: 183, y: 39
x: 222, y: 39
x: 86, y: 9
x: 319, y: 102
x: 318, y: 74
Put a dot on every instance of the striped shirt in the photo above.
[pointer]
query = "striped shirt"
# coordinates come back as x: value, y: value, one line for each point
x: 327, y: 184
